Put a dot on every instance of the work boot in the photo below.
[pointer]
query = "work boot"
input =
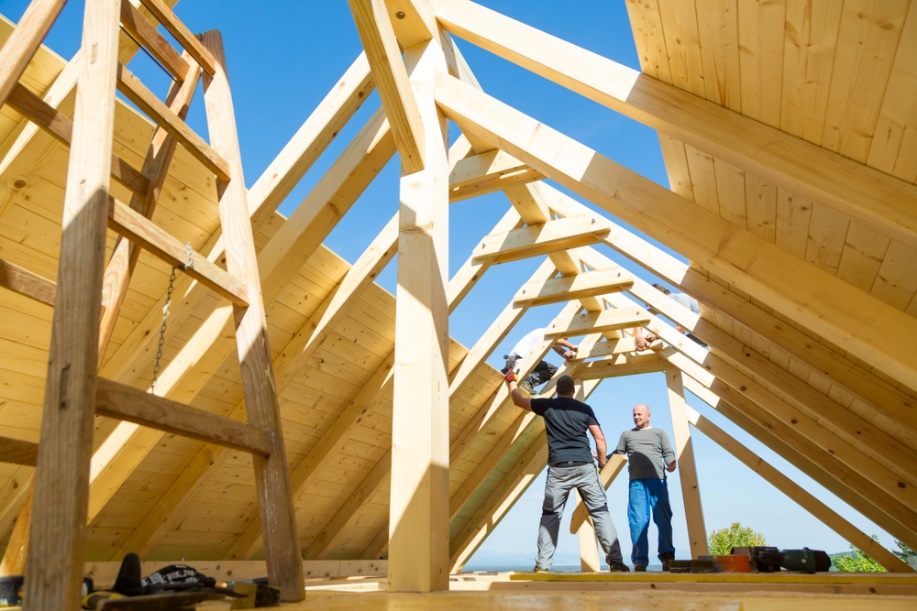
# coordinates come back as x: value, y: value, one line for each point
x: 618, y: 567
x: 527, y: 387
x: 639, y: 567
x: 666, y: 557
x: 540, y: 569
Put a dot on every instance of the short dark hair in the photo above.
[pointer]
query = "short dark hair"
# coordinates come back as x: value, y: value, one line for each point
x: 565, y: 385
x: 661, y: 288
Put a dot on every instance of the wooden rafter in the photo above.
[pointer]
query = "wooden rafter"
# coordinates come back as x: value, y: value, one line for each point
x: 391, y: 77
x: 849, y: 318
x: 878, y: 199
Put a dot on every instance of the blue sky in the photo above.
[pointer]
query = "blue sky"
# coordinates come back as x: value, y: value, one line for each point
x: 285, y: 55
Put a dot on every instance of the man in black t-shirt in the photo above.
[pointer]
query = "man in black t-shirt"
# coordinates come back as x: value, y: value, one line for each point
x: 570, y: 465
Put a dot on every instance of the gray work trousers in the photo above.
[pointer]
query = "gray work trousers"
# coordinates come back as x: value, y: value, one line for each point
x: 556, y: 490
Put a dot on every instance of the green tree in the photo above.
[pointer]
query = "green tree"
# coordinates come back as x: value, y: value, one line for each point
x: 722, y: 541
x: 855, y: 561
x: 905, y: 550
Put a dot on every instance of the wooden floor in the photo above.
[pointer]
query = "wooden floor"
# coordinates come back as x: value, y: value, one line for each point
x: 481, y: 592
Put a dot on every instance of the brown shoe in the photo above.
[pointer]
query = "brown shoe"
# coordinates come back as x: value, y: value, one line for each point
x: 618, y: 567
x: 666, y: 557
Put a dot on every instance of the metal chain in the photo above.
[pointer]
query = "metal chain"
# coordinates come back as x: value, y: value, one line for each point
x: 162, y: 331
x: 165, y: 317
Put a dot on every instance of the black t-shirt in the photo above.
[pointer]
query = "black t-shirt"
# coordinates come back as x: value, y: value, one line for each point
x: 567, y: 422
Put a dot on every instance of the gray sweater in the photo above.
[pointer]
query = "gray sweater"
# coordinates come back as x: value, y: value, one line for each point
x: 648, y: 452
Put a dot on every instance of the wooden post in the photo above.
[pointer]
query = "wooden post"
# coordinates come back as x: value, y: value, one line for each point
x: 684, y: 453
x: 54, y: 566
x: 588, y: 545
x: 419, y: 509
x: 272, y: 475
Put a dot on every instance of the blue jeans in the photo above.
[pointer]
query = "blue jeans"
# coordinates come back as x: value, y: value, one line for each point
x: 556, y: 490
x: 647, y: 496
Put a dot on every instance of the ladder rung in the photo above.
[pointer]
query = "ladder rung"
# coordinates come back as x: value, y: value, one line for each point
x: 27, y: 283
x: 18, y: 452
x: 127, y: 403
x: 49, y: 119
x: 143, y: 32
x: 141, y: 230
x: 182, y: 34
x: 137, y: 92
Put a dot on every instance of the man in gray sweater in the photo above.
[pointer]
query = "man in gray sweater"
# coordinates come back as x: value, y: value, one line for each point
x: 649, y: 456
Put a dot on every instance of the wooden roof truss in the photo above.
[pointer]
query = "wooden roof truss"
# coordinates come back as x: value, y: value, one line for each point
x: 425, y: 449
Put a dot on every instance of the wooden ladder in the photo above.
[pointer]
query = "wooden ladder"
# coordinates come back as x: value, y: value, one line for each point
x: 74, y: 392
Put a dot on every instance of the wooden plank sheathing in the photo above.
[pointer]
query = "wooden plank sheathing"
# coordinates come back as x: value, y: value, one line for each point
x: 864, y: 250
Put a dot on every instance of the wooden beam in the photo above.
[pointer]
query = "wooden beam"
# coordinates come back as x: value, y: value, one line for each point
x: 412, y: 20
x: 58, y: 530
x: 24, y: 41
x: 798, y: 494
x: 499, y: 328
x: 823, y: 362
x: 272, y: 476
x: 877, y: 199
x: 26, y: 283
x: 537, y: 240
x: 14, y: 557
x: 419, y: 505
x: 127, y: 403
x: 282, y: 256
x: 142, y: 31
x: 687, y: 469
x: 267, y: 193
x: 599, y: 322
x: 137, y: 92
x: 18, y: 452
x: 60, y: 127
x: 588, y: 544
x: 621, y: 365
x: 182, y: 34
x: 310, y: 140
x: 156, y: 164
x: 60, y: 95
x: 841, y: 313
x: 566, y: 288
x: 612, y: 469
x: 486, y: 173
x: 501, y: 500
x: 472, y: 271
x: 500, y: 400
x: 880, y: 444
x: 142, y: 231
x: 333, y: 440
x: 346, y: 513
x: 818, y: 459
x: 391, y: 79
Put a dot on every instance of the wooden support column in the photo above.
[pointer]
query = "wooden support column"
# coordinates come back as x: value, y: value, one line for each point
x: 684, y: 451
x: 588, y: 545
x: 272, y: 475
x: 54, y: 567
x: 419, y: 508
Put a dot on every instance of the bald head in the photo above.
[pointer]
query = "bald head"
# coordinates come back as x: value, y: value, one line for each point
x: 641, y: 416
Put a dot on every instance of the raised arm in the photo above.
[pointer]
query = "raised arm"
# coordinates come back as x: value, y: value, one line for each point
x: 519, y: 400
x: 565, y: 348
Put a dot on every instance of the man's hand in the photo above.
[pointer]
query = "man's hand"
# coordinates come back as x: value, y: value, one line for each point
x: 510, y: 377
x: 570, y: 354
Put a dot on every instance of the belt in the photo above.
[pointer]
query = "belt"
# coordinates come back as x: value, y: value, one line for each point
x: 570, y: 463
